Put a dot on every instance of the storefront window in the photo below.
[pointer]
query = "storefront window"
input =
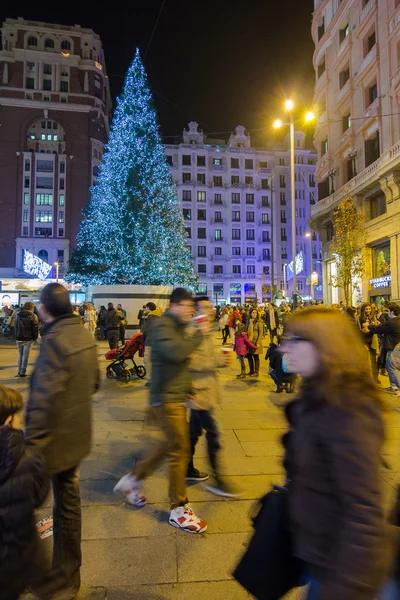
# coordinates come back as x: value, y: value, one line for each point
x: 381, y: 261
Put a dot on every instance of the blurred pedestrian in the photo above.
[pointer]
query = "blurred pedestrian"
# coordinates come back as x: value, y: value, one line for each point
x: 26, y: 326
x: 59, y: 420
x: 24, y: 485
x: 223, y: 324
x: 363, y: 320
x: 255, y: 331
x: 172, y: 345
x: 272, y: 320
x: 391, y: 330
x: 90, y: 319
x: 113, y: 320
x: 140, y: 316
x: 153, y: 314
x: 101, y: 322
x: 241, y: 346
x: 333, y: 459
x: 122, y: 324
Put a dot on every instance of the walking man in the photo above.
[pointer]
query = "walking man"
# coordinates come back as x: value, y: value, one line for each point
x: 26, y: 333
x: 391, y: 329
x: 58, y: 421
x: 172, y: 344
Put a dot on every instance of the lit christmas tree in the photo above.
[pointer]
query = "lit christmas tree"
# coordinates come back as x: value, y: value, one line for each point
x: 132, y: 230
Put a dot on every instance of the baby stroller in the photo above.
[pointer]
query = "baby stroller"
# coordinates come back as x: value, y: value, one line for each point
x: 119, y: 367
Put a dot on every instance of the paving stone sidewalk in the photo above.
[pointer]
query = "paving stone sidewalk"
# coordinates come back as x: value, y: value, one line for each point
x: 131, y: 554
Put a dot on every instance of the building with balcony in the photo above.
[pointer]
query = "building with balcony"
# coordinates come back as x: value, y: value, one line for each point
x: 54, y: 117
x: 357, y: 91
x: 236, y: 204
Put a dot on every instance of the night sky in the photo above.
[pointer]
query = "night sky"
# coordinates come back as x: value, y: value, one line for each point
x: 219, y: 62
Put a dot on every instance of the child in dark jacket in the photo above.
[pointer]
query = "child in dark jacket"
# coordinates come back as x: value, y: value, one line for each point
x: 283, y: 381
x: 24, y: 485
x: 241, y: 345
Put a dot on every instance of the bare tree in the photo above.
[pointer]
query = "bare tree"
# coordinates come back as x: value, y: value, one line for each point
x: 348, y: 246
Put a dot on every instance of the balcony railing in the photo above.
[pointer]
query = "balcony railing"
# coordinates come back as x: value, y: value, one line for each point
x: 368, y: 60
x: 369, y: 6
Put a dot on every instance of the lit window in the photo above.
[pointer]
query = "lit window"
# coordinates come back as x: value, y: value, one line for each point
x: 55, y: 137
x: 26, y: 216
x: 26, y: 198
x: 42, y: 136
x: 61, y: 200
x: 61, y: 216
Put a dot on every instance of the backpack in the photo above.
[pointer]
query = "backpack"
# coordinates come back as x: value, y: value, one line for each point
x: 395, y: 357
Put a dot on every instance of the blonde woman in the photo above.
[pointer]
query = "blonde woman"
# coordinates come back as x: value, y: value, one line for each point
x: 333, y: 458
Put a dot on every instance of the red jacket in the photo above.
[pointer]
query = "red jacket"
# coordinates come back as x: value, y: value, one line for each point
x: 241, y: 344
x: 235, y: 316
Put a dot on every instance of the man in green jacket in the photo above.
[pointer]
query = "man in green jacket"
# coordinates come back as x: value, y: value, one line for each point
x: 172, y: 342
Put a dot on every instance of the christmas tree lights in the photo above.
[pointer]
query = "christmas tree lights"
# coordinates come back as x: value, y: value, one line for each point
x: 133, y: 230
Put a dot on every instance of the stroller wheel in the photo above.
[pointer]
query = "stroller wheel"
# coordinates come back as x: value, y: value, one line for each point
x: 140, y: 371
x: 126, y: 376
x: 109, y: 374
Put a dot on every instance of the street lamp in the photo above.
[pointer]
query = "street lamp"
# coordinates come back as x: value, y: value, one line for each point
x: 289, y: 105
x: 308, y: 235
x: 57, y: 264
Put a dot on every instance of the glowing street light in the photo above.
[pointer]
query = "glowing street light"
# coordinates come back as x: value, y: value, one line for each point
x: 289, y: 105
x: 310, y: 116
x: 277, y: 124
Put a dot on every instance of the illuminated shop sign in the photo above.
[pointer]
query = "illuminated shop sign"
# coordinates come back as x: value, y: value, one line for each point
x: 33, y: 265
x: 381, y: 282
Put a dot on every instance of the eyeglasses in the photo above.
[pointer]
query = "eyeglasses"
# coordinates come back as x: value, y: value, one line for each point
x: 293, y: 339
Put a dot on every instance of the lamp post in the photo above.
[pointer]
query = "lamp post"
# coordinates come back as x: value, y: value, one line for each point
x: 289, y: 105
x: 309, y: 236
x: 57, y: 264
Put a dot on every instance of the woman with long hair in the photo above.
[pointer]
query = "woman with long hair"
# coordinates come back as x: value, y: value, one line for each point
x: 367, y: 317
x: 333, y: 458
x: 255, y: 332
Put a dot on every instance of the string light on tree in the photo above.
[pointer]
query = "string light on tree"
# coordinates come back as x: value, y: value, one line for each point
x: 133, y: 230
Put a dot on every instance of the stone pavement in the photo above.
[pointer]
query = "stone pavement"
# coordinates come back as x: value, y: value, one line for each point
x: 133, y: 553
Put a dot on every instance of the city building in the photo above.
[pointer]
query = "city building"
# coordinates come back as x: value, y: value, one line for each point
x: 54, y: 121
x: 357, y: 91
x: 236, y: 205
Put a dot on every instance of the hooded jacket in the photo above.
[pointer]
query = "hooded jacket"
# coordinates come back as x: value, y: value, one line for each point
x: 203, y: 364
x: 24, y: 485
x: 59, y: 409
x: 149, y: 324
x: 26, y: 326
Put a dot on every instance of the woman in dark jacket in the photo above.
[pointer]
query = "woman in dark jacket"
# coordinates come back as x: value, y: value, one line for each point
x: 333, y: 459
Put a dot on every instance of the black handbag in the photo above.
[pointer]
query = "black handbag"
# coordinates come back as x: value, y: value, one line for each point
x: 268, y: 569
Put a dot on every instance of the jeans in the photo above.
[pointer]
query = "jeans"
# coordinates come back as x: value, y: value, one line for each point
x: 275, y: 378
x: 122, y: 334
x: 67, y: 555
x: 174, y: 447
x: 24, y: 349
x: 254, y: 363
x: 204, y: 420
x: 112, y: 337
x: 241, y: 361
x: 394, y: 374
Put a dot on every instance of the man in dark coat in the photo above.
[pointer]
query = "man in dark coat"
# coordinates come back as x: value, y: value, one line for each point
x: 391, y: 330
x: 26, y: 333
x: 59, y: 420
x: 113, y: 320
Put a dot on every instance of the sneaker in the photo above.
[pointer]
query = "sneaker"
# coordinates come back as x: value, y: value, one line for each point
x: 391, y: 389
x: 221, y: 488
x: 130, y: 487
x: 182, y: 517
x: 196, y: 475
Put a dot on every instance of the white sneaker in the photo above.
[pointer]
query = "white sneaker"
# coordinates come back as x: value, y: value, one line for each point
x: 130, y: 487
x: 182, y: 517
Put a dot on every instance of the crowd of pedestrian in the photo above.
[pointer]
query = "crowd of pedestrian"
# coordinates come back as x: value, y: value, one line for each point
x: 332, y: 492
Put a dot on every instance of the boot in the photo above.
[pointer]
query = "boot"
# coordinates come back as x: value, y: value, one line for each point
x: 242, y: 374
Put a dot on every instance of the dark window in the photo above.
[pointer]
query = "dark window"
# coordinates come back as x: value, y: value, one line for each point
x: 250, y: 234
x: 343, y: 33
x: 266, y: 254
x: 236, y: 269
x: 218, y: 269
x: 62, y: 168
x: 32, y: 41
x: 251, y: 269
x: 235, y: 251
x: 30, y: 83
x: 283, y: 199
x: 201, y: 251
x: 378, y: 205
x: 349, y: 169
x: 266, y: 270
x: 49, y: 43
x: 265, y: 201
x: 47, y: 85
x: 64, y: 86
x: 249, y: 198
x: 201, y: 161
x: 372, y: 93
x: 263, y: 164
x: 201, y: 233
x: 186, y: 159
x: 236, y: 215
x: 27, y: 182
x: 235, y: 198
x: 65, y: 45
x: 234, y: 163
x: 27, y: 165
x: 217, y: 199
x: 265, y: 236
x: 62, y: 182
x: 264, y: 184
x: 323, y: 189
x: 201, y: 215
x: 234, y: 179
x: 344, y: 76
x: 25, y: 230
x: 324, y: 146
x: 189, y: 231
x: 201, y: 178
x: 249, y: 216
x: 346, y: 122
x: 321, y: 29
x: 236, y: 234
x: 282, y: 181
x: 218, y: 251
x: 186, y: 195
x: 371, y: 41
x: 218, y: 217
x: 248, y: 163
x: 187, y: 214
x: 186, y: 177
x: 250, y: 251
x: 168, y: 158
x: 329, y: 231
x: 47, y: 69
x: 218, y: 181
x: 371, y: 149
x: 201, y: 269
x: 248, y: 180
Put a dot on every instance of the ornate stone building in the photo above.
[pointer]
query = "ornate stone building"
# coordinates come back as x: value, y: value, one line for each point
x: 357, y: 67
